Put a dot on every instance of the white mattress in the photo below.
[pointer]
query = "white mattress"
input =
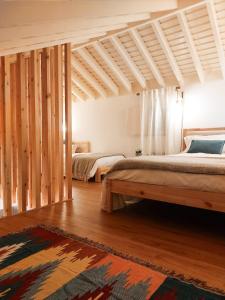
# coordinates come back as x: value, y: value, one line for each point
x: 102, y: 162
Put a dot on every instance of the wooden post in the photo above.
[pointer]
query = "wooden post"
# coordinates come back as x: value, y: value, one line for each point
x: 46, y: 126
x: 53, y: 118
x: 58, y: 123
x: 7, y: 127
x: 68, y: 122
x: 21, y: 110
x: 2, y: 125
x: 35, y: 132
x: 14, y: 157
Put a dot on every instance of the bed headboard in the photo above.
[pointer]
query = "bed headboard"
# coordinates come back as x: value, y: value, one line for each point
x: 81, y: 147
x: 201, y: 131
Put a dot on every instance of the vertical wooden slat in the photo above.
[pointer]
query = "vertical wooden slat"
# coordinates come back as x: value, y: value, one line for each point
x: 30, y: 132
x: 32, y: 91
x: 34, y: 131
x: 59, y: 123
x: 68, y: 122
x: 7, y: 196
x: 2, y: 124
x: 22, y: 133
x: 46, y: 126
x: 27, y: 120
x: 14, y: 133
x: 53, y: 136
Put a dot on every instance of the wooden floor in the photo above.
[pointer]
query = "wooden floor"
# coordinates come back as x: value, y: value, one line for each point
x: 189, y: 241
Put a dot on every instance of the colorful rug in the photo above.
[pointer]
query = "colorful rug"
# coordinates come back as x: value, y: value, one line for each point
x: 41, y: 263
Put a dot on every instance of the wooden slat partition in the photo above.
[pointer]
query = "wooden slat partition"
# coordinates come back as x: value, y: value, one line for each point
x: 68, y: 121
x: 35, y: 106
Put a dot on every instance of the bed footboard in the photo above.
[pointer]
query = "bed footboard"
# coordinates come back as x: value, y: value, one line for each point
x: 176, y: 195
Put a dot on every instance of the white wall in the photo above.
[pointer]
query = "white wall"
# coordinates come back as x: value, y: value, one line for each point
x: 205, y: 105
x: 111, y: 125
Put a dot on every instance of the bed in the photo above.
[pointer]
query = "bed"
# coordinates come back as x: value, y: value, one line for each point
x: 88, y: 165
x: 197, y: 180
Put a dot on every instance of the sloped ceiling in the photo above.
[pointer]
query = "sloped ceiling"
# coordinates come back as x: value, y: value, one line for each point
x: 33, y: 24
x: 188, y: 42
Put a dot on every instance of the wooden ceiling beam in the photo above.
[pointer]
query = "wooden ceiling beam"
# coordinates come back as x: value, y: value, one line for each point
x: 216, y: 33
x: 88, y: 77
x: 133, y: 68
x: 86, y: 56
x: 31, y: 12
x: 99, y: 48
x: 147, y: 56
x: 191, y: 45
x: 84, y: 87
x: 168, y: 52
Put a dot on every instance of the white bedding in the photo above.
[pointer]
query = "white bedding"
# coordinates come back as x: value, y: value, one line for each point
x: 104, y: 161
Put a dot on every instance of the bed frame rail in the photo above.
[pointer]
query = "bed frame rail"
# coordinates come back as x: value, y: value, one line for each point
x: 176, y: 195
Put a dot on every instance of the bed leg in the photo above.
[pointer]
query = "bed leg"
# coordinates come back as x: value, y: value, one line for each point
x: 97, y: 176
x: 109, y: 195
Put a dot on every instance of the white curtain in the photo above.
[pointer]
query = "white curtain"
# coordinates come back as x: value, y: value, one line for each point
x: 161, y: 121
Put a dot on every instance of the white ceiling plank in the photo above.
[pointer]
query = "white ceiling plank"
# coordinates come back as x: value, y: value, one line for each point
x: 99, y: 48
x: 191, y: 45
x: 123, y: 53
x: 77, y: 94
x: 147, y: 56
x: 85, y: 89
x: 86, y: 56
x: 88, y: 77
x: 216, y: 33
x: 168, y: 52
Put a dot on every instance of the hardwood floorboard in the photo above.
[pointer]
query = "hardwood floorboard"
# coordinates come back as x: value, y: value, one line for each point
x: 188, y: 241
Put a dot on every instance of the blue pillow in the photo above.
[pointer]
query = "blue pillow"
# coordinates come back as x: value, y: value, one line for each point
x: 206, y: 146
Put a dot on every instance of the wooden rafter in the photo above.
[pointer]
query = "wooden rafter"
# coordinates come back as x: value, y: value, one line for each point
x: 98, y: 70
x: 147, y: 56
x: 216, y: 33
x: 123, y: 53
x: 84, y: 87
x: 191, y: 45
x: 99, y: 48
x: 168, y: 52
x: 88, y: 77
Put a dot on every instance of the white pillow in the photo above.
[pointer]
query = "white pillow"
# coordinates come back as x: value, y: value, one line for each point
x: 189, y: 138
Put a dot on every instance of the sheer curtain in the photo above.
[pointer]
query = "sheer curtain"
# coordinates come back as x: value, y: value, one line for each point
x: 161, y: 121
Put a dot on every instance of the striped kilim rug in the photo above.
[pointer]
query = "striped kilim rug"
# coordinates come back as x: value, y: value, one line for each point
x: 42, y: 263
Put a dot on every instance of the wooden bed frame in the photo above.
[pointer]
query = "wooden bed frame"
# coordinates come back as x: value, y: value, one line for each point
x: 84, y: 147
x: 177, y: 195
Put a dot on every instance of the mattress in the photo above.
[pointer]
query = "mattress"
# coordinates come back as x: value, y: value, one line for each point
x: 101, y: 162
